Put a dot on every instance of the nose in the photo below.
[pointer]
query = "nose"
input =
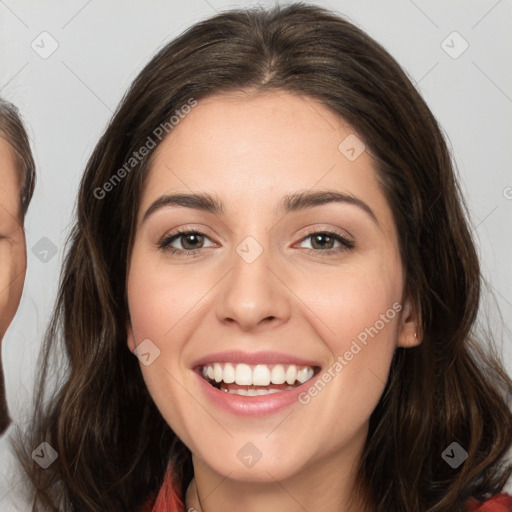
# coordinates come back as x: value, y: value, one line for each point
x: 252, y: 295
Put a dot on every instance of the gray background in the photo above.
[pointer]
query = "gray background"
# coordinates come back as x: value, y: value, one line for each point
x: 68, y: 97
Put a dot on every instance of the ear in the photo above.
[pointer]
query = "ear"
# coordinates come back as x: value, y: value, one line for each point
x: 410, y: 333
x: 130, y: 337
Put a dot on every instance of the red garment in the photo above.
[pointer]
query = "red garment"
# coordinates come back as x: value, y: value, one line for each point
x: 499, y: 503
x: 169, y: 500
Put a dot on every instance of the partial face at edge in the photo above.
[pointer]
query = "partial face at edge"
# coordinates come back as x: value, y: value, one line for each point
x: 12, y: 238
x: 280, y: 290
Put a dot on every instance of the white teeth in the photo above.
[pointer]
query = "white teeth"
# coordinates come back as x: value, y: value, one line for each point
x: 229, y: 373
x: 243, y: 375
x: 261, y: 375
x: 304, y: 374
x: 291, y: 374
x: 257, y: 375
x: 277, y: 375
x: 217, y: 372
x: 255, y: 392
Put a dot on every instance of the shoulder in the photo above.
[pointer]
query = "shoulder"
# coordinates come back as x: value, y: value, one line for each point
x: 498, y: 503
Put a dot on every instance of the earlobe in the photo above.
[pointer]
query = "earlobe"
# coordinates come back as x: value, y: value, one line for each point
x: 410, y: 333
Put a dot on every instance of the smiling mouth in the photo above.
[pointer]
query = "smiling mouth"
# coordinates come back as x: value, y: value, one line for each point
x: 256, y: 380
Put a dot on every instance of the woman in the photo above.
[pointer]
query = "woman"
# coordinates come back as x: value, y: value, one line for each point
x: 17, y: 179
x: 339, y: 375
x: 17, y: 173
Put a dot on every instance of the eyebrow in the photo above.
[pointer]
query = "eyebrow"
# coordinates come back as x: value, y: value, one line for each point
x: 289, y: 203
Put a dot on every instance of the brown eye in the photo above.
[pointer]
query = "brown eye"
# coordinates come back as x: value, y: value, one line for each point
x: 324, y: 241
x: 190, y: 241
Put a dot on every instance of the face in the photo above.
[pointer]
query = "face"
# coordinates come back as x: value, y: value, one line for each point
x: 301, y: 306
x: 12, y: 238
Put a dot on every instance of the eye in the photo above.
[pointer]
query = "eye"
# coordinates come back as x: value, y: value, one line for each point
x: 191, y: 241
x: 323, y: 242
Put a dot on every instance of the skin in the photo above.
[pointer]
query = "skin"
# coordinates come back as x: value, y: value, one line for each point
x: 13, y: 256
x: 250, y: 151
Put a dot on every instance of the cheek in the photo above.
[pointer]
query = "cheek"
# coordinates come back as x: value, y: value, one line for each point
x: 347, y: 301
x: 160, y: 299
x: 12, y: 277
x: 164, y: 307
x: 357, y: 311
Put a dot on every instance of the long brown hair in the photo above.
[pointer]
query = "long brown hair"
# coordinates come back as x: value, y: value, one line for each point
x: 112, y: 442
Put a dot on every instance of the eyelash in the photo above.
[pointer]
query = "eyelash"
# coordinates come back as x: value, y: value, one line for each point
x: 346, y: 244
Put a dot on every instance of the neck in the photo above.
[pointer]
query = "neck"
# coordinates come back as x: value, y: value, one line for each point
x: 332, y: 477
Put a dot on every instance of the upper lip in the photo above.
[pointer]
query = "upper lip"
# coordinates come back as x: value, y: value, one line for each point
x: 253, y: 358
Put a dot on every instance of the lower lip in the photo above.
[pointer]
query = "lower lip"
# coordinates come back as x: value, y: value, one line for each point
x: 260, y: 405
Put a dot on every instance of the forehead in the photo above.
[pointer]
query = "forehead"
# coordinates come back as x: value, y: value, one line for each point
x: 261, y: 128
x: 253, y: 149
